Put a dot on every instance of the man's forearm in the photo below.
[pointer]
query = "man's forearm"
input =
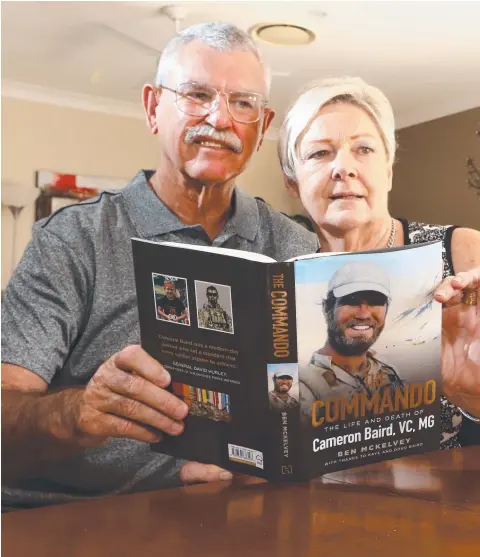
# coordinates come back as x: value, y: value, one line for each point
x: 38, y: 429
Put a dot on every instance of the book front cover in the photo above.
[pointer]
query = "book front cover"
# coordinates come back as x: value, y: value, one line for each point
x: 369, y: 346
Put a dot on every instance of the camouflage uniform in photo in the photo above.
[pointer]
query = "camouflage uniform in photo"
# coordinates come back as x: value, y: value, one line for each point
x: 215, y: 318
x: 278, y: 403
x: 323, y: 379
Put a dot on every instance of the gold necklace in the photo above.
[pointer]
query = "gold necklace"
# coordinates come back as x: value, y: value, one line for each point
x: 391, y: 239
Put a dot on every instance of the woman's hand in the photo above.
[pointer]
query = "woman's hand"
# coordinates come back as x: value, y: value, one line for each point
x: 460, y: 296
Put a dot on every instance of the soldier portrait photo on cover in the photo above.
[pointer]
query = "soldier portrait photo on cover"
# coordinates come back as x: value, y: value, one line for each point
x: 355, y: 311
x: 372, y: 335
x: 283, y: 386
x: 171, y: 299
x: 214, y: 306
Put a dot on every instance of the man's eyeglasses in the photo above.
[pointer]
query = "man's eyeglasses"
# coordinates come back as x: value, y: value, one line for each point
x: 196, y: 99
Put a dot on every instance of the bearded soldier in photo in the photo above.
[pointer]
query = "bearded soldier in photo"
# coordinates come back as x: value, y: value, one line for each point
x: 212, y: 315
x: 355, y: 310
x: 279, y: 397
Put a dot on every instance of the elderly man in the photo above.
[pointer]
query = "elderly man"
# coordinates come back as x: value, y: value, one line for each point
x: 81, y: 400
x: 355, y: 310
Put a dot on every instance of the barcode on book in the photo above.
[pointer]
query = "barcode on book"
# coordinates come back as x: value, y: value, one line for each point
x: 247, y: 456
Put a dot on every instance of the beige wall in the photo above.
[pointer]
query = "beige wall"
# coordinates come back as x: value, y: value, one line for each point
x: 430, y: 175
x: 42, y: 136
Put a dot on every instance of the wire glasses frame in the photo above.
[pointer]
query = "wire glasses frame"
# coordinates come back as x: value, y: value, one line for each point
x: 197, y: 99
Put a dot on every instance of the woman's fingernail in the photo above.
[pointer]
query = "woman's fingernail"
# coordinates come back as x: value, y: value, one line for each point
x: 226, y: 476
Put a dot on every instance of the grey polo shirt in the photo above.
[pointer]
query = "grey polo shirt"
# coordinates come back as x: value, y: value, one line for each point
x: 71, y: 304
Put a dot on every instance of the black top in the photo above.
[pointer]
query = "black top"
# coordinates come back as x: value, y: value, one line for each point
x: 171, y: 307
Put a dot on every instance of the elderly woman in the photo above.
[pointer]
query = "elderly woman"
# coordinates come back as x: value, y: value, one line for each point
x: 337, y: 148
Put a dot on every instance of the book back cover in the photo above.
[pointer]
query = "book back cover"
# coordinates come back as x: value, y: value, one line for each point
x: 203, y: 315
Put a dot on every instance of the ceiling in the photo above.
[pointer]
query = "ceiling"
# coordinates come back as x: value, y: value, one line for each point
x: 424, y: 55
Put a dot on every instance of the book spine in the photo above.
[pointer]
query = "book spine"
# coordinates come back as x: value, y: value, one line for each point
x: 282, y: 363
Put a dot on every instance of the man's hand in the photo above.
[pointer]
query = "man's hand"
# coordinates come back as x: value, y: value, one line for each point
x: 126, y: 397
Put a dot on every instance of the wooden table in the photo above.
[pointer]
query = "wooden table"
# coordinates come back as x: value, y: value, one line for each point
x: 421, y: 506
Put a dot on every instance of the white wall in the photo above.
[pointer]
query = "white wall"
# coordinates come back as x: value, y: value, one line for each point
x: 43, y: 136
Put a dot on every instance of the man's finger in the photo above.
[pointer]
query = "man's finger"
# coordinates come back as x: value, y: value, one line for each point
x: 137, y: 388
x: 134, y: 359
x: 193, y: 472
x: 136, y: 411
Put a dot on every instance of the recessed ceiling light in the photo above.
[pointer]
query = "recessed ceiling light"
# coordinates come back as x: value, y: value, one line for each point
x: 283, y: 34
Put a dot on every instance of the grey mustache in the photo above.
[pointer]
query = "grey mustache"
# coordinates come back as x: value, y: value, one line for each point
x: 228, y: 138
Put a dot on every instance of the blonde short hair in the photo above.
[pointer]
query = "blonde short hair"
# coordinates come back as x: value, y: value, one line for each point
x: 314, y: 96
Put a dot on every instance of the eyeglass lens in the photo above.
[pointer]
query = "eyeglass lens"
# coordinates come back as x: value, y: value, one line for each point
x: 198, y: 100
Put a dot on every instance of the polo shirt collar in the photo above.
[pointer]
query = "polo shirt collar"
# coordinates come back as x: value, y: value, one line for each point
x: 152, y: 217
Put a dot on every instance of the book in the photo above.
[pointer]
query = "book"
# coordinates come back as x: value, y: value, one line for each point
x: 298, y: 368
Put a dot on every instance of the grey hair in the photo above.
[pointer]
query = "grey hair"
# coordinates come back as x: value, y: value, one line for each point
x: 314, y: 96
x: 220, y: 36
